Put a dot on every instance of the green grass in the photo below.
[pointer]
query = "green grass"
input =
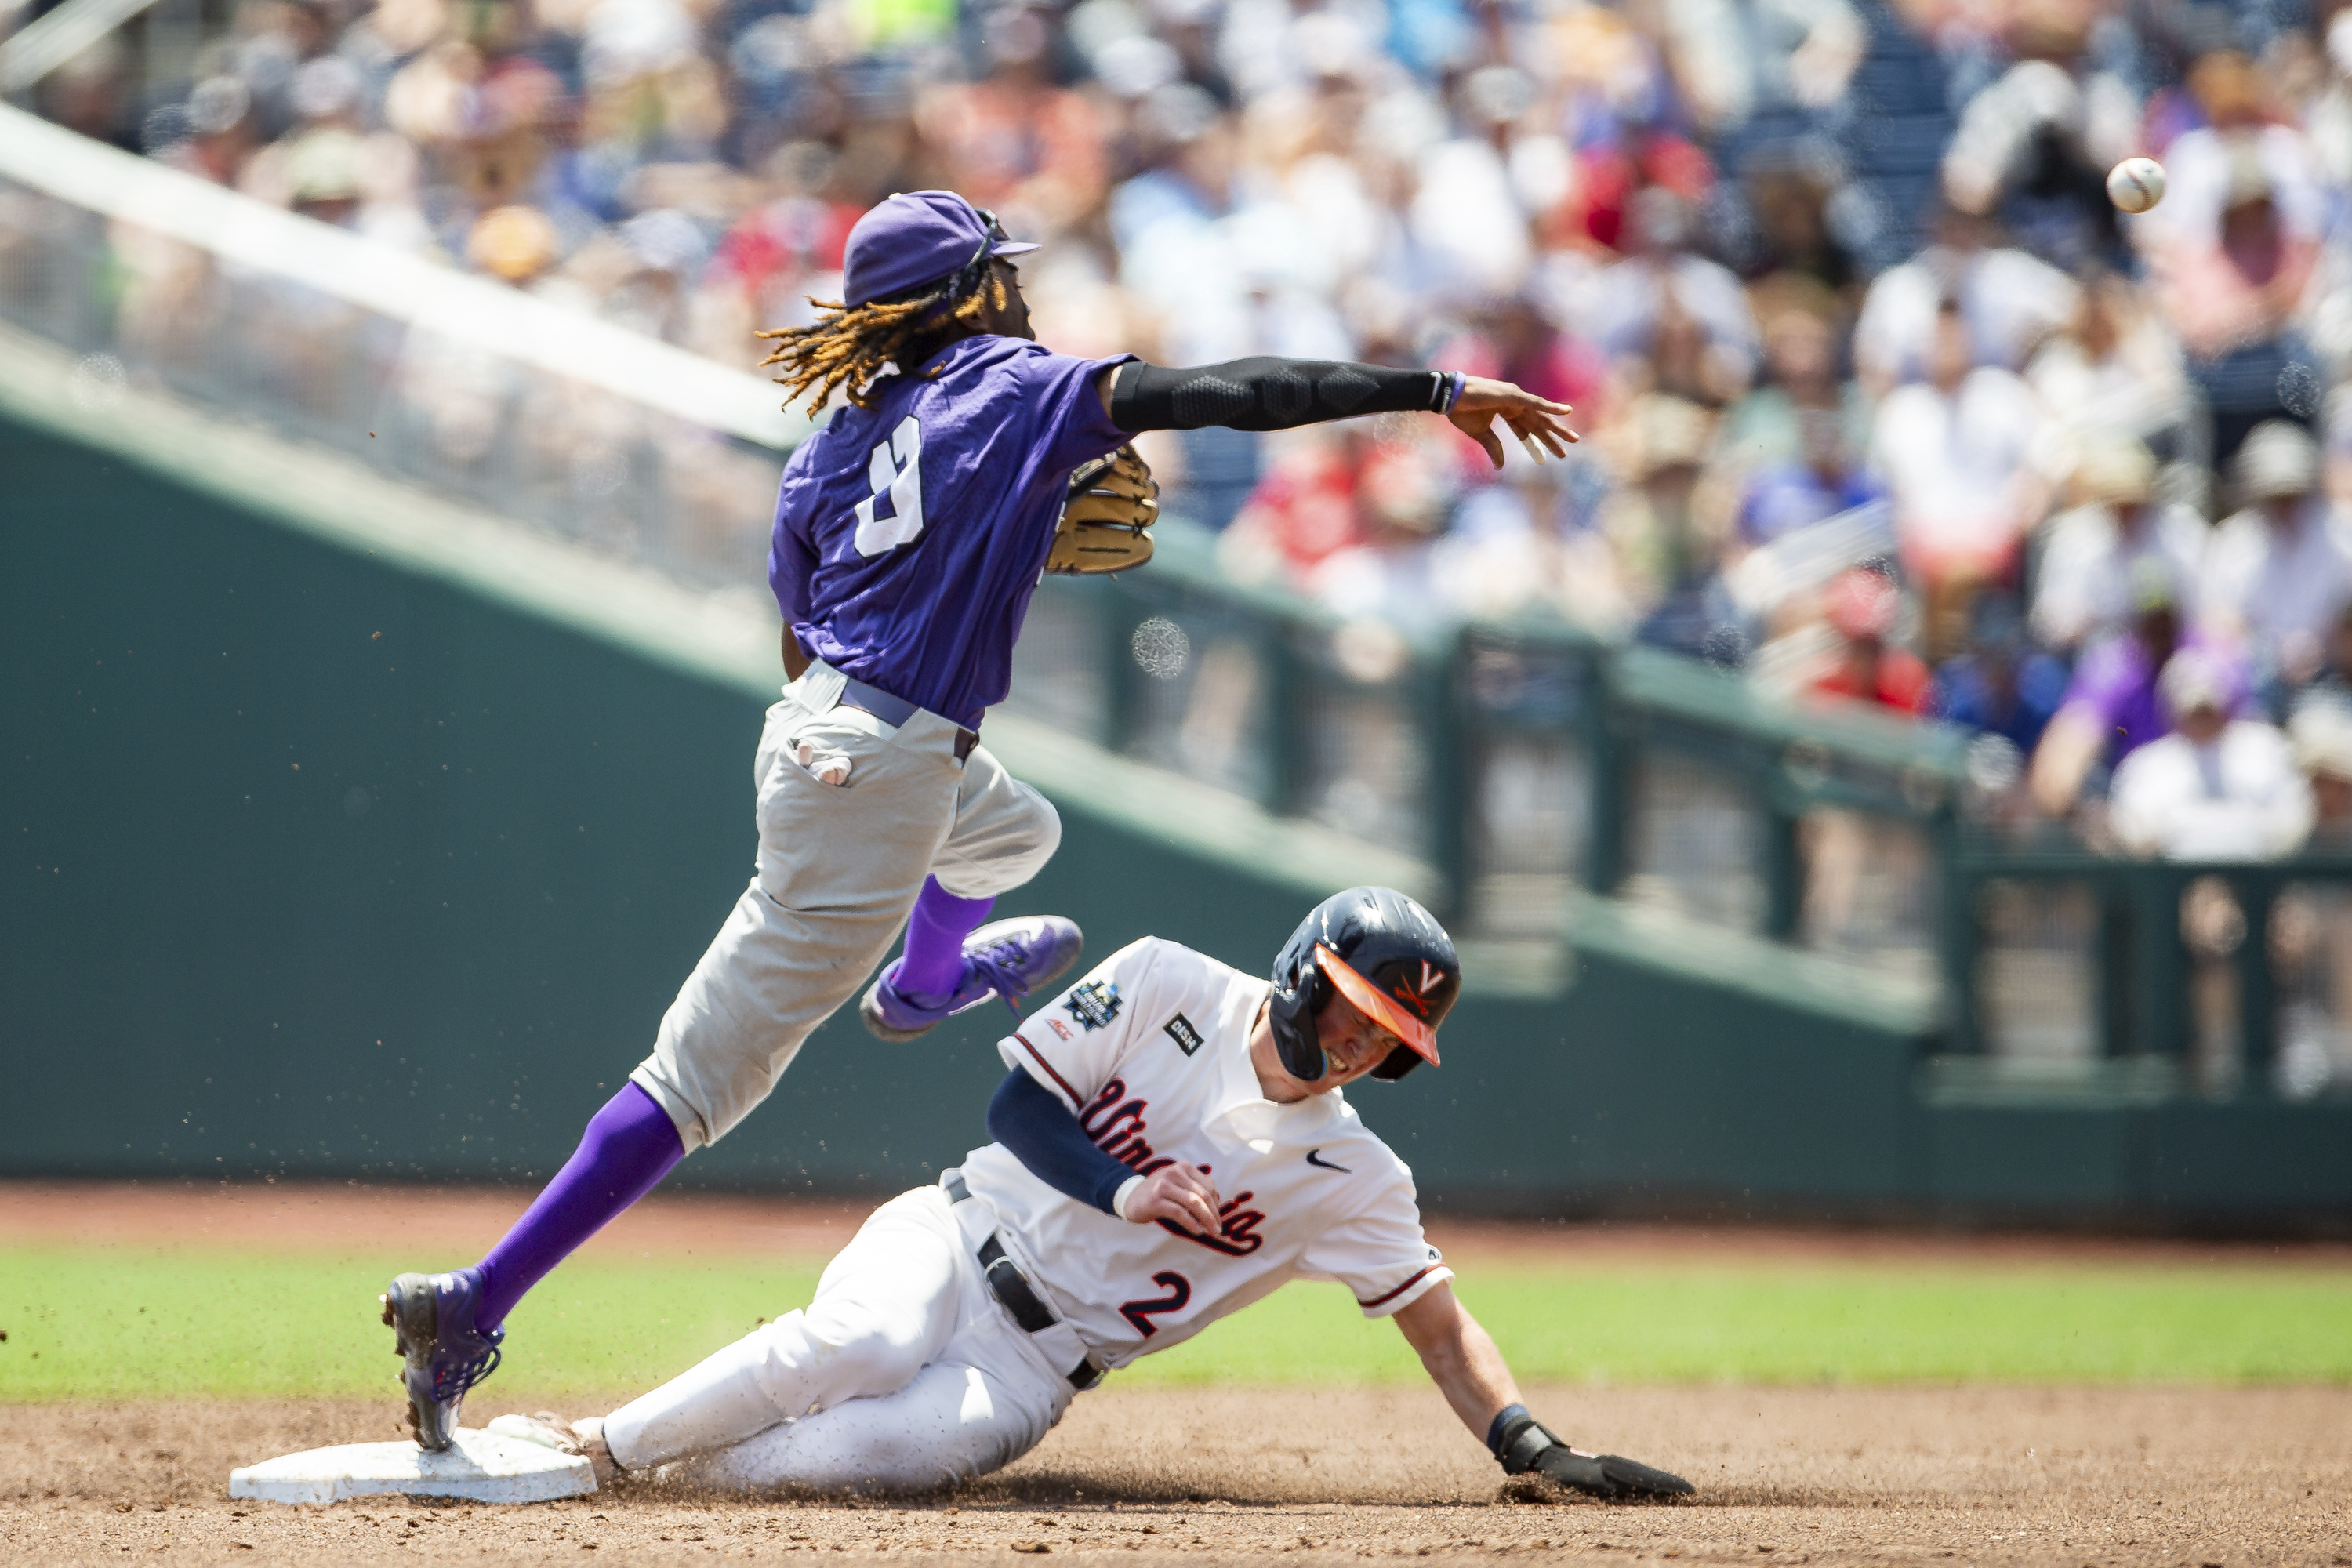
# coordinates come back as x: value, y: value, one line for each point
x: 116, y: 1322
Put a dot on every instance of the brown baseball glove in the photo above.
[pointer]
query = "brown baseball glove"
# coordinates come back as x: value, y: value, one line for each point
x: 1107, y: 522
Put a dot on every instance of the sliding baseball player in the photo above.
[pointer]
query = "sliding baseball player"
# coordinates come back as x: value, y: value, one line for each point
x: 1172, y: 1145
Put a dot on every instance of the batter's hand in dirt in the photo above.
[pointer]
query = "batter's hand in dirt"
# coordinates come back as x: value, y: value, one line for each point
x: 1526, y: 1446
x: 1462, y: 1359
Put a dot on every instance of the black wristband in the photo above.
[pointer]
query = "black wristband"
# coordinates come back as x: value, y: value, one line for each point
x: 1269, y: 394
x: 1515, y: 1438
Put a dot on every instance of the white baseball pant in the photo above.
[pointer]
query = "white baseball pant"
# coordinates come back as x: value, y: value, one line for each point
x: 839, y: 866
x: 904, y: 1374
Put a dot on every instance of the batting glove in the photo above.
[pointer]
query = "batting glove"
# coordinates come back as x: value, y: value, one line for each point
x: 1524, y: 1446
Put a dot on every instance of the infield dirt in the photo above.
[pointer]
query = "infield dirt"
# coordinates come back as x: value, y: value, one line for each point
x: 2085, y: 1477
x: 1809, y: 1476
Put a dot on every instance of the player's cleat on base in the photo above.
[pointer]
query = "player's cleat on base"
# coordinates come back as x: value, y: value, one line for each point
x: 1011, y: 959
x: 432, y: 1318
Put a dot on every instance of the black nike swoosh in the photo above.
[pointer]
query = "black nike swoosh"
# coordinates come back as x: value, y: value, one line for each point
x: 1312, y: 1160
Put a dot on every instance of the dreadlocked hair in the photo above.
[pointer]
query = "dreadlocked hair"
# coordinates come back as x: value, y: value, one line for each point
x: 850, y: 347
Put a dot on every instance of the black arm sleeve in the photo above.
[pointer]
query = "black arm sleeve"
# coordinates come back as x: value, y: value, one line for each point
x: 1267, y: 393
x: 1025, y: 1117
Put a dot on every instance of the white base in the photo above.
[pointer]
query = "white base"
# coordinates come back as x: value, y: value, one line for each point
x: 479, y: 1466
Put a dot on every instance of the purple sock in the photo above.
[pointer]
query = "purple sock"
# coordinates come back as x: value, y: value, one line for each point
x: 934, y: 962
x: 630, y: 1145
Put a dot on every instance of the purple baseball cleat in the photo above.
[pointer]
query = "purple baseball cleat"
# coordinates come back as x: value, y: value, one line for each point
x: 1003, y: 958
x: 432, y: 1316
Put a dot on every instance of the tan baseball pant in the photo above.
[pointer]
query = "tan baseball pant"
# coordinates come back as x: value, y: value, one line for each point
x: 839, y: 868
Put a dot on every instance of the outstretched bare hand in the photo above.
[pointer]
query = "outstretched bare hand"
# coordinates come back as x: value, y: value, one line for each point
x: 1540, y: 424
x: 1179, y: 1192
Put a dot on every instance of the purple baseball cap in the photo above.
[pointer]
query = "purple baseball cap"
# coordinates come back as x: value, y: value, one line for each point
x: 917, y: 236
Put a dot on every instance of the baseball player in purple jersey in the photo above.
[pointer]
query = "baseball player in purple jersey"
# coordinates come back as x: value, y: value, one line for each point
x: 910, y: 534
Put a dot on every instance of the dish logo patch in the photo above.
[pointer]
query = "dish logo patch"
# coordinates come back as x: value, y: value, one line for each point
x: 1179, y: 1029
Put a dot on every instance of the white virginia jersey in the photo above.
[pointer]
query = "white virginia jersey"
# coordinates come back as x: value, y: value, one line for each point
x: 1151, y: 1052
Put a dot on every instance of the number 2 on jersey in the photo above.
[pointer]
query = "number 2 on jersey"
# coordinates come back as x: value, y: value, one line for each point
x: 1139, y: 1313
x: 896, y: 473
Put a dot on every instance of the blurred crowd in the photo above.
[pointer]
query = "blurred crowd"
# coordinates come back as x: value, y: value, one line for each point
x: 1884, y: 401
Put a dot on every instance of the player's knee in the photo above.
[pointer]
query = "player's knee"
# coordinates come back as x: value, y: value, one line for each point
x: 868, y: 1356
x: 1043, y: 836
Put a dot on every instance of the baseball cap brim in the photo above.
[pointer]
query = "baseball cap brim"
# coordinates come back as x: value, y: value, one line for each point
x: 1368, y: 1000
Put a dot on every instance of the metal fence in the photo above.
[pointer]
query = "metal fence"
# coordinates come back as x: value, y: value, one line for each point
x: 1524, y: 762
x: 1521, y: 762
x: 2236, y: 977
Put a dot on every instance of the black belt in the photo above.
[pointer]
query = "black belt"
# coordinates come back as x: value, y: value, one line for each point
x: 1013, y: 1287
x: 895, y: 710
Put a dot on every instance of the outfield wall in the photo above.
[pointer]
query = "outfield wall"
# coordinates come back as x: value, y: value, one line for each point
x: 337, y: 851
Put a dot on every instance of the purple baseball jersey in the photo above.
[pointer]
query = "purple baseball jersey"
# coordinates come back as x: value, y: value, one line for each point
x: 910, y: 537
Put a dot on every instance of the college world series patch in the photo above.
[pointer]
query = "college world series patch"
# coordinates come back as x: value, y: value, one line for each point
x: 1179, y: 1029
x: 1094, y: 1004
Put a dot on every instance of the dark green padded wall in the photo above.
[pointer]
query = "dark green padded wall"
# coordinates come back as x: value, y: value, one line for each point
x: 322, y: 867
x: 282, y: 894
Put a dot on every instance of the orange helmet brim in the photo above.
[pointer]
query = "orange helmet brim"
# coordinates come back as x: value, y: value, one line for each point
x: 1381, y: 1008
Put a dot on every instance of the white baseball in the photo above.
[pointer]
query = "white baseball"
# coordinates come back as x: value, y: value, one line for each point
x: 2136, y: 184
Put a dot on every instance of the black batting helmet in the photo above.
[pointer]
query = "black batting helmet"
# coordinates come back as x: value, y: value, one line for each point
x: 1387, y: 956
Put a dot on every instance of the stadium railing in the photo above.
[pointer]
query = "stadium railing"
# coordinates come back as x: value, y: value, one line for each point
x: 476, y: 390
x: 1550, y: 782
x: 2073, y: 972
x: 1523, y: 761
